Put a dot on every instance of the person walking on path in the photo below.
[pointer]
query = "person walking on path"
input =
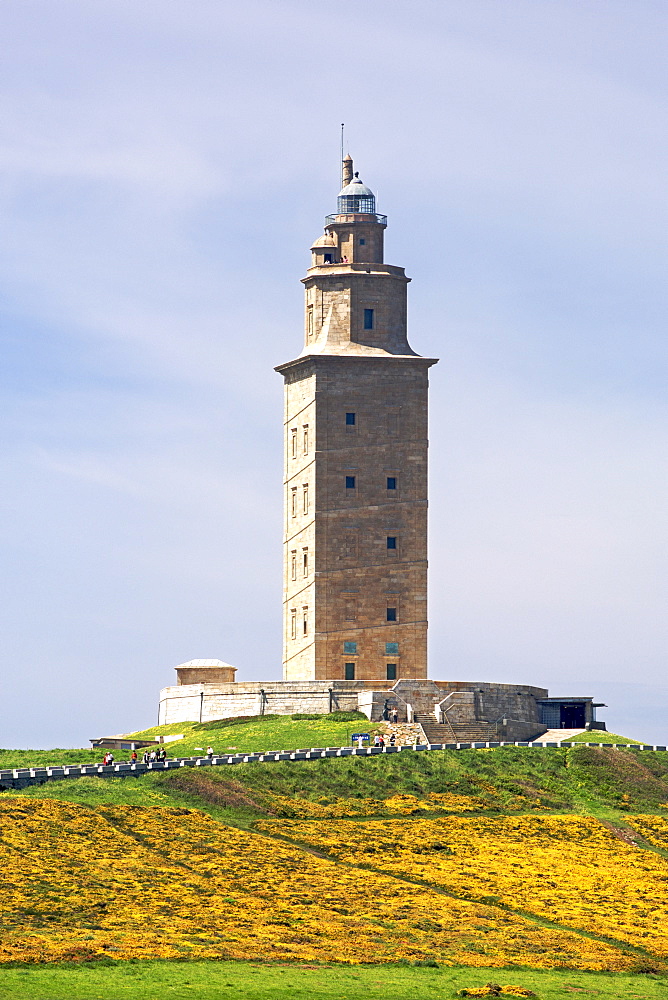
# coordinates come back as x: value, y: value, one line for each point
x: 162, y: 754
x: 133, y: 757
x: 395, y: 716
x: 146, y: 758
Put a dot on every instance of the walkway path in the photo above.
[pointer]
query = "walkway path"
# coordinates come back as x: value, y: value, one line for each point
x: 23, y: 777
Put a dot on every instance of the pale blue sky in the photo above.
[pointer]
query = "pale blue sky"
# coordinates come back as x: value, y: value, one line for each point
x: 163, y: 170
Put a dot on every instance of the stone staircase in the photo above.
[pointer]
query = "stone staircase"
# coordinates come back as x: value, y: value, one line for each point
x: 472, y: 732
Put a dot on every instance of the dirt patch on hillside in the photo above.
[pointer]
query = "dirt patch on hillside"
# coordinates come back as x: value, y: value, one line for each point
x: 216, y: 791
x: 622, y: 833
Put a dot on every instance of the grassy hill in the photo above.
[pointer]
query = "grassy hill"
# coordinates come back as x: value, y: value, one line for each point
x: 251, y: 734
x: 267, y: 732
x: 545, y: 868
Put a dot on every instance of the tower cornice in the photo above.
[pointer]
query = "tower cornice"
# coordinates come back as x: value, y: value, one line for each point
x: 319, y: 360
x: 361, y: 269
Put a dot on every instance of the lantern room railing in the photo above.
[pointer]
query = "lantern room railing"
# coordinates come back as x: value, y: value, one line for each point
x: 332, y: 220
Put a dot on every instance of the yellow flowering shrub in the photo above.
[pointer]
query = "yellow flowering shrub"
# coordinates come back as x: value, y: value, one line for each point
x: 653, y: 828
x: 571, y: 870
x: 404, y: 805
x: 134, y: 882
x: 492, y: 990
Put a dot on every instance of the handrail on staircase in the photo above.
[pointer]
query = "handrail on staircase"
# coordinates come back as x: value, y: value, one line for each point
x: 444, y: 712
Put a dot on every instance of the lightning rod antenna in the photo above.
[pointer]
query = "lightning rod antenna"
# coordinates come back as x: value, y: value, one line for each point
x: 341, y: 160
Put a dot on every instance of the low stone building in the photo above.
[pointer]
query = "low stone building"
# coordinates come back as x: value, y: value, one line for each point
x: 447, y: 709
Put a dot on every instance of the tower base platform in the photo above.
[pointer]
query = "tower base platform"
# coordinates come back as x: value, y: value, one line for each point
x: 515, y: 711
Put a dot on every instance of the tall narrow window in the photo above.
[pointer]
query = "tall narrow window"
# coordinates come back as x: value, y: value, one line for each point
x: 305, y: 497
x: 391, y: 482
x: 349, y: 671
x: 293, y: 442
x: 305, y: 439
x: 293, y: 501
x: 350, y: 611
x: 305, y: 562
x: 391, y: 541
x: 309, y: 322
x: 391, y: 671
x: 391, y: 614
x: 293, y: 623
x: 293, y: 564
x: 304, y: 621
x: 350, y: 482
x: 368, y: 319
x: 350, y: 419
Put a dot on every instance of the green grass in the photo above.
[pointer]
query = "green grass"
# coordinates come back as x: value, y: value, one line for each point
x: 92, y: 791
x: 231, y: 980
x: 268, y: 732
x: 40, y: 758
x: 599, y: 736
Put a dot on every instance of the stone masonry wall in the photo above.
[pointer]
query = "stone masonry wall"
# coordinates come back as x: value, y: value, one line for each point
x: 341, y: 593
x: 190, y: 702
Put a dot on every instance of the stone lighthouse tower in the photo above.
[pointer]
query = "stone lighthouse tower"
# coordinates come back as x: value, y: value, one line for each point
x: 355, y: 522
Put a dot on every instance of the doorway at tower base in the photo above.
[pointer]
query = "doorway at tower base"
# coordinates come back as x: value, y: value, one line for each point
x: 513, y: 711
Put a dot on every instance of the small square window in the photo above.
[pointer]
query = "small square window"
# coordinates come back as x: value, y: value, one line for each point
x: 391, y: 671
x: 391, y: 482
x: 368, y: 319
x: 362, y: 242
x: 349, y: 671
x: 350, y: 419
x: 350, y: 648
x: 391, y: 614
x: 391, y: 649
x: 350, y: 482
x: 391, y: 541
